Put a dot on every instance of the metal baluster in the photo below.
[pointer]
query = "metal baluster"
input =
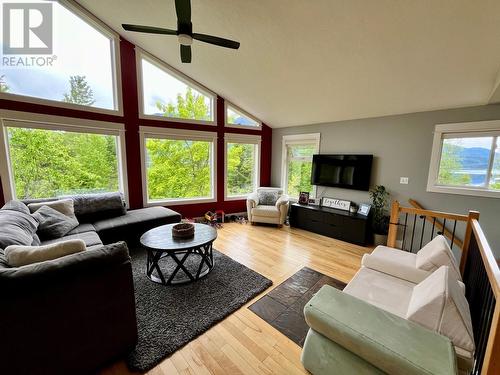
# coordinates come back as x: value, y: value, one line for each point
x: 423, y: 230
x: 413, y: 233
x: 433, y: 226
x: 404, y: 232
x: 453, y: 234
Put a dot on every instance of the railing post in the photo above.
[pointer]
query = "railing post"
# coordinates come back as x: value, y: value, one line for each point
x: 393, y: 225
x: 468, y: 233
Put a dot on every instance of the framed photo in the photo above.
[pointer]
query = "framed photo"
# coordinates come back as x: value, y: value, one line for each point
x: 338, y: 204
x: 304, y: 197
x: 364, y: 209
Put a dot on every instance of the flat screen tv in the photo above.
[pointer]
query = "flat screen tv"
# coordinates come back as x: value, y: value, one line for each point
x: 343, y: 171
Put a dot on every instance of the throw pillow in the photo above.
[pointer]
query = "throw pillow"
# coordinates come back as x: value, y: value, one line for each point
x: 16, y: 228
x: 93, y: 207
x: 267, y: 197
x: 52, y: 223
x: 435, y: 254
x: 18, y: 256
x: 64, y: 206
x: 439, y: 304
x: 15, y: 205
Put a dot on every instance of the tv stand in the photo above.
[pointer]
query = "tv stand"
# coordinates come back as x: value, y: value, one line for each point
x: 342, y: 225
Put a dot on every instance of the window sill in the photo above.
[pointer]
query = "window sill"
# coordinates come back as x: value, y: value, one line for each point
x: 237, y: 197
x: 178, y: 119
x: 463, y: 191
x: 178, y: 202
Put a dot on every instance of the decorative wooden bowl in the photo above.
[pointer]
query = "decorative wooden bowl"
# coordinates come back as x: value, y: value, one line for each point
x: 183, y: 230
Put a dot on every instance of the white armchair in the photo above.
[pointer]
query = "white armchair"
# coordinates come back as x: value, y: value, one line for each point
x: 267, y: 205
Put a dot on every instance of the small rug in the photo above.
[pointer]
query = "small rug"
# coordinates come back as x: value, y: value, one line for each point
x: 168, y: 317
x: 283, y: 307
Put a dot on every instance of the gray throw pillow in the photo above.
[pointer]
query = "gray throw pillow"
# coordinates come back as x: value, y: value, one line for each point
x: 52, y: 223
x: 93, y: 207
x: 15, y: 205
x: 267, y: 198
x: 16, y: 228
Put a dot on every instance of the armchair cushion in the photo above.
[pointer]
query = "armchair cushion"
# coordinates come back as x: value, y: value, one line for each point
x: 439, y: 304
x: 268, y: 211
x: 435, y: 254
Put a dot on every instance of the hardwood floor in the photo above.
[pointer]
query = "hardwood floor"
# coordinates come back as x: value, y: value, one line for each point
x: 243, y: 343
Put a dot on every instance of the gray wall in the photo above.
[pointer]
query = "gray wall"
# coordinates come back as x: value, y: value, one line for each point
x: 401, y: 146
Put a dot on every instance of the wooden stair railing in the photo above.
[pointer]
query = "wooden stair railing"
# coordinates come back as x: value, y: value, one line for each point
x: 439, y: 225
x: 481, y: 275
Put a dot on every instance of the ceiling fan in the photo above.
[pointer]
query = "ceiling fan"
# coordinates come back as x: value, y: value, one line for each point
x: 184, y: 31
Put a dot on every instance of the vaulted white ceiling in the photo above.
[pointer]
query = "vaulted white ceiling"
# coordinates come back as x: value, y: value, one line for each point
x: 312, y: 61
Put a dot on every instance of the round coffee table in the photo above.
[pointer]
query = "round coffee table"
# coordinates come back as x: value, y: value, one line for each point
x: 160, y: 244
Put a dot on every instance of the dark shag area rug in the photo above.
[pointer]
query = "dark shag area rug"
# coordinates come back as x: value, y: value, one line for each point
x: 169, y: 317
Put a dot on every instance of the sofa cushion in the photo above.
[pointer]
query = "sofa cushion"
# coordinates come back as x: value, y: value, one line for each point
x: 134, y: 223
x: 396, y: 263
x: 268, y: 211
x: 18, y: 256
x: 435, y: 254
x: 16, y: 228
x: 267, y: 197
x: 387, y: 292
x: 93, y: 207
x: 390, y: 343
x: 64, y: 206
x: 82, y: 228
x: 52, y: 223
x: 439, y: 304
x: 90, y: 239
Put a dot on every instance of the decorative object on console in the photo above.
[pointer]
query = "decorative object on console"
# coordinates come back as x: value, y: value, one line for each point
x: 364, y: 209
x: 338, y: 204
x: 380, y: 199
x: 183, y: 230
x: 354, y: 208
x: 304, y: 197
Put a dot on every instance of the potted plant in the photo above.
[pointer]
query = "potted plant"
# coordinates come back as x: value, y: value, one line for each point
x: 380, y: 200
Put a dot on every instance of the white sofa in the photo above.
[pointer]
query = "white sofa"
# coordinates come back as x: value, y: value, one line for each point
x: 425, y: 288
x: 267, y: 205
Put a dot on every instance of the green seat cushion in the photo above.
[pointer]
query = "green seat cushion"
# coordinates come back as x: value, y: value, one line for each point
x: 388, y: 342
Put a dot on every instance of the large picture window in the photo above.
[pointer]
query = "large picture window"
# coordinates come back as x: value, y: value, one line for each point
x: 466, y: 159
x: 297, y: 154
x: 179, y: 166
x: 49, y: 160
x: 167, y: 94
x: 242, y: 165
x: 80, y: 70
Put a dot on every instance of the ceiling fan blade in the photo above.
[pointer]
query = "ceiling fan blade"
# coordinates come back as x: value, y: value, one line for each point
x: 148, y: 29
x: 183, y: 10
x: 185, y: 54
x: 217, y: 41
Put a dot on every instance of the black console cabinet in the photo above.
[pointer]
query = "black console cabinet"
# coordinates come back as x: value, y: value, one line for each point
x: 338, y: 224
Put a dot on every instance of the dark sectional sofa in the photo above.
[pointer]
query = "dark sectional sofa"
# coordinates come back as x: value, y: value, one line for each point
x: 75, y: 314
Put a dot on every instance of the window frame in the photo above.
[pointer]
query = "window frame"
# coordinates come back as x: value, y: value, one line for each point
x: 237, y: 109
x: 140, y: 55
x: 467, y: 129
x: 243, y: 139
x: 297, y: 139
x: 57, y: 123
x: 176, y: 134
x: 114, y: 37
